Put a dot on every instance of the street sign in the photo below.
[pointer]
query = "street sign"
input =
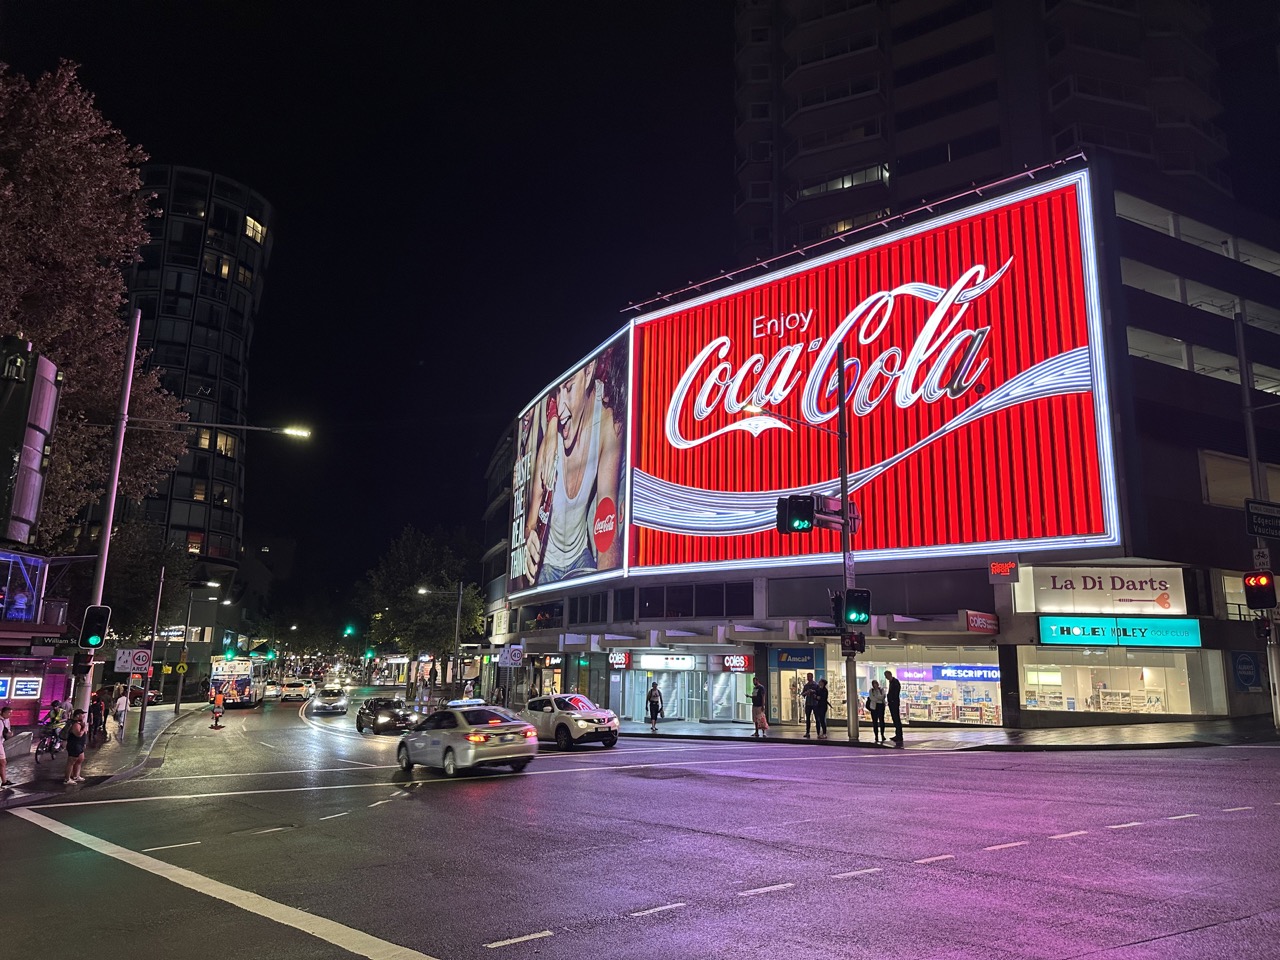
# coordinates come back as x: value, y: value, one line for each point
x: 131, y: 661
x: 181, y: 668
x: 511, y: 656
x: 1262, y: 519
x: 1262, y: 558
x: 826, y: 631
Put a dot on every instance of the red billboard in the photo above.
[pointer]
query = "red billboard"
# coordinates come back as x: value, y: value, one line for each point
x: 975, y: 383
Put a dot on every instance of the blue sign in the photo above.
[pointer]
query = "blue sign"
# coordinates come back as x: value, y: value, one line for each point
x: 27, y: 688
x: 1121, y: 631
x: 4, y: 687
x: 1248, y: 672
x: 962, y: 672
x: 797, y: 658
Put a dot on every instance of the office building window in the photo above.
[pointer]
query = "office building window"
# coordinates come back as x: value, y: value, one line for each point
x: 1226, y: 480
x: 195, y: 541
x: 254, y: 230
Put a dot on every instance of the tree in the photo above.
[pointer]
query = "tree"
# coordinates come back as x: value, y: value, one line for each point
x: 412, y: 599
x: 72, y: 214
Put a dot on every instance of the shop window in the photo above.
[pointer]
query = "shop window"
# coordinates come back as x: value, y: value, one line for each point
x: 708, y: 600
x: 1122, y: 680
x: 679, y: 601
x: 652, y: 603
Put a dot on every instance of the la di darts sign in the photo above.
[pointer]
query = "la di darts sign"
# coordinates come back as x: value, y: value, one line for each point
x: 975, y: 382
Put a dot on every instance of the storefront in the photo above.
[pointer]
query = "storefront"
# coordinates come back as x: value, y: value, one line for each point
x: 940, y: 683
x: 29, y: 684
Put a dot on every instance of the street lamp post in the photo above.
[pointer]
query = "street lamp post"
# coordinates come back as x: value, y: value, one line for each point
x: 186, y: 636
x: 457, y: 631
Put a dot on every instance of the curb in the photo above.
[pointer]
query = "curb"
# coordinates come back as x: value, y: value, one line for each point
x: 128, y: 772
x: 977, y: 747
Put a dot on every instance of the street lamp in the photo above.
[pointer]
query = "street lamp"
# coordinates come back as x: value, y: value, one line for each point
x: 457, y: 629
x: 186, y: 634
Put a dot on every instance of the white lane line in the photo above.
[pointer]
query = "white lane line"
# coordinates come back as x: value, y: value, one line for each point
x: 323, y: 929
x: 855, y: 873
x: 333, y: 815
x: 1234, y: 809
x: 668, y: 906
x: 945, y: 856
x: 1183, y: 816
x: 1124, y: 826
x: 172, y: 846
x: 507, y: 943
x: 267, y: 773
x: 1073, y: 833
x: 265, y: 744
x: 1006, y: 846
x: 759, y: 890
x: 381, y: 802
x: 356, y: 762
x: 269, y: 830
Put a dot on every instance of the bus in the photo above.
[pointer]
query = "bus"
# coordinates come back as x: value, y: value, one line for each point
x: 242, y: 682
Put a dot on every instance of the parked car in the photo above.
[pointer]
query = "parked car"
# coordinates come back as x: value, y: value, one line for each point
x: 466, y: 734
x: 381, y: 714
x: 135, y: 696
x: 570, y: 719
x: 295, y: 689
x: 330, y: 699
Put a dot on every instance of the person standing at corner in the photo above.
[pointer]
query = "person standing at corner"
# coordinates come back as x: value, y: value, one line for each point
x: 77, y: 737
x: 821, y: 701
x: 121, y: 711
x: 809, y: 694
x: 654, y: 698
x: 757, y: 709
x: 894, y: 700
x: 875, y: 704
x: 6, y: 731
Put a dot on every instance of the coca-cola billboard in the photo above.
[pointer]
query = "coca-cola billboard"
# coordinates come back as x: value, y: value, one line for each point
x: 568, y: 490
x: 975, y: 382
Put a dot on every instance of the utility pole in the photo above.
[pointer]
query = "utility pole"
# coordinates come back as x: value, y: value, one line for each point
x: 146, y: 684
x: 846, y: 542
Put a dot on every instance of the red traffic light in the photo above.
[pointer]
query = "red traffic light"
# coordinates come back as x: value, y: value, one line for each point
x: 1260, y: 579
x: 1260, y: 590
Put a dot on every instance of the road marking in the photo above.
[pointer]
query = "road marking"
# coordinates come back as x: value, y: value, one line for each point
x: 945, y: 856
x: 357, y: 762
x: 1006, y: 846
x: 269, y: 830
x: 266, y: 773
x: 323, y: 929
x: 1073, y: 833
x: 1234, y: 809
x: 758, y: 890
x: 507, y: 943
x: 172, y: 846
x: 332, y: 815
x: 669, y: 906
x: 265, y: 744
x: 855, y: 873
x: 381, y: 802
x: 1124, y: 826
x: 1183, y: 816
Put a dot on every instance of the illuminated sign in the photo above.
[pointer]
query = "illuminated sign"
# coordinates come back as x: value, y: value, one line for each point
x: 976, y: 622
x: 736, y: 662
x: 667, y: 661
x: 620, y: 659
x: 797, y: 658
x: 1121, y: 631
x: 988, y: 674
x: 568, y: 485
x: 27, y: 688
x: 5, y: 687
x: 1002, y: 571
x: 1120, y: 591
x: 975, y: 378
x: 913, y: 674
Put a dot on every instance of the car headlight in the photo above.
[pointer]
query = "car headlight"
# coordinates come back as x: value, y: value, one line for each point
x: 582, y: 723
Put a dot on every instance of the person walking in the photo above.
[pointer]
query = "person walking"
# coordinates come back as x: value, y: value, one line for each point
x: 893, y: 698
x: 97, y: 717
x: 654, y: 700
x: 77, y: 737
x: 6, y: 731
x: 121, y: 712
x: 757, y: 709
x: 809, y: 695
x: 822, y: 702
x: 875, y: 706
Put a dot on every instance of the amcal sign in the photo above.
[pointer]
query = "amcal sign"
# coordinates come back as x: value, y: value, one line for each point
x: 974, y: 380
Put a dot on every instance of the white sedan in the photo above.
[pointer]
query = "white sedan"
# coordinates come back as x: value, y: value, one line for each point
x: 570, y: 719
x: 468, y: 733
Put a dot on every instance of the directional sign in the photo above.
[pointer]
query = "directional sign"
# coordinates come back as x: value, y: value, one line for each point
x: 1262, y: 519
x: 826, y: 631
x: 132, y: 661
x: 181, y: 668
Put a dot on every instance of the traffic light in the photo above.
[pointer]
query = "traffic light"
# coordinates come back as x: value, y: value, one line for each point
x: 1262, y: 630
x: 837, y: 608
x: 93, y: 628
x: 80, y: 665
x: 860, y: 642
x: 350, y: 631
x: 1259, y: 590
x: 368, y: 654
x: 271, y: 654
x: 857, y: 606
x: 230, y: 654
x: 795, y: 514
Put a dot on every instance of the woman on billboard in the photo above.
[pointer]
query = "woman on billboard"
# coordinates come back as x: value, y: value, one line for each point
x: 574, y: 526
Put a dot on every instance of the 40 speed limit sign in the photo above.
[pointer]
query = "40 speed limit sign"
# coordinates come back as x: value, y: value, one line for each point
x: 132, y: 661
x: 511, y: 657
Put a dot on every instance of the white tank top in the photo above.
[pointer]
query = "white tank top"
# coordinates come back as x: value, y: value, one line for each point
x: 570, y: 526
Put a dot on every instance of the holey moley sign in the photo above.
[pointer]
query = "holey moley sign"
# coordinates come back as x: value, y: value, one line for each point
x: 975, y: 382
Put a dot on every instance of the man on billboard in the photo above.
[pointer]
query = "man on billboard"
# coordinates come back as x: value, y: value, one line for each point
x: 574, y: 524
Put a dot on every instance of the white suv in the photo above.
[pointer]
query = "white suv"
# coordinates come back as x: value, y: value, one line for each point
x: 570, y: 719
x: 295, y: 689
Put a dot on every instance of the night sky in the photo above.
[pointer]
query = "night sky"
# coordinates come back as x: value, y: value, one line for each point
x: 467, y: 196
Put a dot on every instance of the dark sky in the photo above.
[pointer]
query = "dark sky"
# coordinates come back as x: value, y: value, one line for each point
x: 467, y: 194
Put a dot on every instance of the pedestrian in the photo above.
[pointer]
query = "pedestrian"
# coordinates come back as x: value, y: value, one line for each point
x: 77, y: 732
x: 6, y: 731
x: 757, y: 709
x: 467, y: 690
x: 820, y: 708
x: 894, y: 700
x: 809, y: 694
x: 654, y: 699
x: 97, y: 717
x: 875, y: 706
x: 121, y: 712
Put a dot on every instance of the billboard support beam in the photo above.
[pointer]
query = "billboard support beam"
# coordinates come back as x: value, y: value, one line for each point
x: 846, y: 538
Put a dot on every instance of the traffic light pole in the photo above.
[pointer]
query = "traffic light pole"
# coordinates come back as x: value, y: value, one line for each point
x: 846, y: 540
x: 146, y: 683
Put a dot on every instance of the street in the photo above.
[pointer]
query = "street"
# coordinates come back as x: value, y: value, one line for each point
x: 287, y: 836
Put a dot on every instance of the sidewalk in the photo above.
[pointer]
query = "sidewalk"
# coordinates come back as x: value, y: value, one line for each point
x: 34, y: 782
x: 1138, y: 736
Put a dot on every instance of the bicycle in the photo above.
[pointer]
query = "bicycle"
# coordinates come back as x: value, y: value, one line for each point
x: 49, y: 743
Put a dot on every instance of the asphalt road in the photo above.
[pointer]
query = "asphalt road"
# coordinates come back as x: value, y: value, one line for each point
x: 287, y: 836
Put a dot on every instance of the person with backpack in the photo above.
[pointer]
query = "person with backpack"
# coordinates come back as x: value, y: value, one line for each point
x: 809, y: 695
x: 654, y: 700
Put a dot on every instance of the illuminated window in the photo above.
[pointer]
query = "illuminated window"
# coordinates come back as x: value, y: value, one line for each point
x: 254, y: 230
x: 199, y: 490
x: 227, y: 444
x: 203, y: 439
x: 195, y: 541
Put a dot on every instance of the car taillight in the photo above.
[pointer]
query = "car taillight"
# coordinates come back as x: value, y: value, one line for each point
x: 530, y: 734
x: 478, y: 737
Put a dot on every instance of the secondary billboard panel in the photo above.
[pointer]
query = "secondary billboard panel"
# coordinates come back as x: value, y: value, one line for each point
x: 975, y: 382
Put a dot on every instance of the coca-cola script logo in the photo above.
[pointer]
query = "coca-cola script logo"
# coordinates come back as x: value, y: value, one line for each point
x: 604, y: 527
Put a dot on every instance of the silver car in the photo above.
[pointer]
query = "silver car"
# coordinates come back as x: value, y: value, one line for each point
x: 469, y: 733
x: 329, y: 700
x: 570, y: 719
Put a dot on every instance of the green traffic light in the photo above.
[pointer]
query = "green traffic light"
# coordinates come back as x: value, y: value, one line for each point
x: 350, y: 631
x: 368, y: 654
x: 229, y: 655
x: 800, y: 524
x: 95, y: 640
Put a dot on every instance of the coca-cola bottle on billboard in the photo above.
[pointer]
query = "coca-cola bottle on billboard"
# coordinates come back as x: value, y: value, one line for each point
x: 543, y: 526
